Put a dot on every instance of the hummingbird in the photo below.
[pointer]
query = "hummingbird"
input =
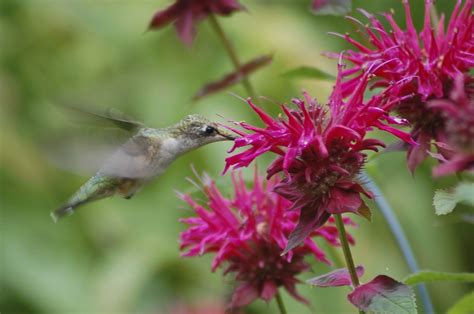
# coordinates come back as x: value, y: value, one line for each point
x: 142, y: 157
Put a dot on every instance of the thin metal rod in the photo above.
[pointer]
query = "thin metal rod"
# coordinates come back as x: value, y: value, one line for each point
x: 400, y: 237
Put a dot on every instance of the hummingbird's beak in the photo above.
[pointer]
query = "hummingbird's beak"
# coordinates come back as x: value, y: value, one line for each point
x: 228, y: 135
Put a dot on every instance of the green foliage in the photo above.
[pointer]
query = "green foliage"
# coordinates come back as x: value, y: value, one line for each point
x: 430, y: 276
x: 465, y: 305
x: 445, y: 201
x: 307, y: 72
x: 333, y: 7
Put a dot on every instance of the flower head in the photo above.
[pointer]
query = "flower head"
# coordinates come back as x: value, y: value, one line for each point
x: 185, y: 14
x: 456, y: 147
x: 320, y: 150
x: 248, y: 232
x: 426, y: 63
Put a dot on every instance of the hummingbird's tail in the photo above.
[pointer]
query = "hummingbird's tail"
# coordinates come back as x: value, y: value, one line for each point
x: 95, y: 188
x: 66, y: 210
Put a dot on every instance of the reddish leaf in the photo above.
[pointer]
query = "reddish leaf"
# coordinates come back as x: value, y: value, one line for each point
x: 244, y: 294
x: 364, y: 211
x: 234, y: 77
x: 383, y: 295
x: 336, y: 278
x: 309, y: 220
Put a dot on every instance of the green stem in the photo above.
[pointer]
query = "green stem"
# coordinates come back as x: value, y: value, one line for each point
x: 231, y: 53
x: 347, y: 251
x: 279, y: 300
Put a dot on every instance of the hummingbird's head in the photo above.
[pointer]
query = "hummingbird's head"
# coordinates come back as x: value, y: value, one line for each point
x: 200, y: 131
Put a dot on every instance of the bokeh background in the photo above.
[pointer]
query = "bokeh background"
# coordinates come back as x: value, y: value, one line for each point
x: 118, y: 256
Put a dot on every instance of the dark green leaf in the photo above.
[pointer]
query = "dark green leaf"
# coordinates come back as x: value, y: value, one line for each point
x: 331, y: 7
x: 307, y: 72
x: 465, y: 305
x: 430, y: 276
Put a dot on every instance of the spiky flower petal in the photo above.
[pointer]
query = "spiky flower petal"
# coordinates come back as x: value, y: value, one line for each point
x: 426, y: 63
x: 320, y: 151
x: 247, y: 233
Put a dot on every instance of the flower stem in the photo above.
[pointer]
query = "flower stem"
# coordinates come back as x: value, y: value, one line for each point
x: 399, y: 235
x: 231, y: 53
x: 281, y: 305
x: 347, y: 251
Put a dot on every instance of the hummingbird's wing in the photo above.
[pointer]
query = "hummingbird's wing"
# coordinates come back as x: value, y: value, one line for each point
x: 136, y: 158
x: 85, y: 147
x: 110, y: 116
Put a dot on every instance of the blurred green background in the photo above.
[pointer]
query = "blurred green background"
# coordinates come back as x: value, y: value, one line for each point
x: 118, y: 256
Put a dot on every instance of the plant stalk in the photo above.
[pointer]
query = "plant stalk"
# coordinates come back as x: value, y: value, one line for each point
x: 231, y: 53
x: 281, y: 305
x: 400, y: 237
x: 346, y: 249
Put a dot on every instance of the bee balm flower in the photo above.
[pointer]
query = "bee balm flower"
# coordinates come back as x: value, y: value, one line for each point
x: 185, y: 14
x: 248, y: 232
x: 320, y: 150
x: 457, y: 145
x: 426, y: 62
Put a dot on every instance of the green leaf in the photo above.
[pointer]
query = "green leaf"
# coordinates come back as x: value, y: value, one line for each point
x: 430, y: 276
x: 465, y: 305
x: 383, y: 295
x: 331, y: 7
x: 445, y: 201
x: 307, y: 72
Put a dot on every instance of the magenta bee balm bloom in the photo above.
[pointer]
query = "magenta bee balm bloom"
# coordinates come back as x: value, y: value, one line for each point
x: 320, y: 150
x: 248, y: 232
x: 185, y: 14
x: 426, y: 62
x: 457, y: 145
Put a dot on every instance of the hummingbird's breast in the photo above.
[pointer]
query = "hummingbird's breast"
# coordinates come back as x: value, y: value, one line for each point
x: 144, y: 156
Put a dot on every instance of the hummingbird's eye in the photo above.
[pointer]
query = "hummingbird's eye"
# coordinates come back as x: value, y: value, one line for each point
x: 209, y: 130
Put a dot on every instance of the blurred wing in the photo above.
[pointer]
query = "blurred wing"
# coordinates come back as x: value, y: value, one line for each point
x: 82, y: 151
x: 110, y: 117
x: 137, y: 158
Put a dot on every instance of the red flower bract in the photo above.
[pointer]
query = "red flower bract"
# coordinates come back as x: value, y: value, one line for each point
x: 185, y: 14
x: 427, y: 63
x: 248, y: 233
x: 320, y: 151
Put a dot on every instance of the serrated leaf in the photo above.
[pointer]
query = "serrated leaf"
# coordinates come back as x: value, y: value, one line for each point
x: 307, y: 72
x: 234, y: 77
x: 465, y: 305
x: 336, y: 278
x: 331, y: 7
x: 383, y: 295
x: 430, y: 276
x: 444, y: 201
